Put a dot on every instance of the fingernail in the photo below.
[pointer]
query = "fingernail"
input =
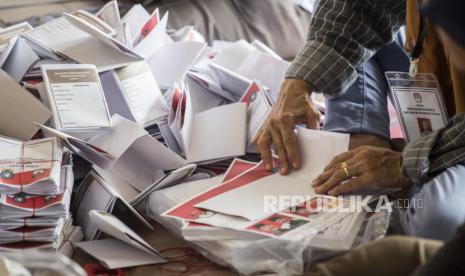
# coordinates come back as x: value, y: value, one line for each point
x: 314, y: 183
x: 282, y: 170
x: 268, y: 167
x: 295, y: 165
x: 332, y: 192
x: 317, y: 190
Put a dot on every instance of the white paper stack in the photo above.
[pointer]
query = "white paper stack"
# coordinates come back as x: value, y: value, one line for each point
x: 37, y: 221
x: 31, y: 234
x: 9, y: 224
x: 215, y: 214
x: 31, y: 167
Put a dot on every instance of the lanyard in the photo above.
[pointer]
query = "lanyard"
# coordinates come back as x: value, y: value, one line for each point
x: 418, y: 48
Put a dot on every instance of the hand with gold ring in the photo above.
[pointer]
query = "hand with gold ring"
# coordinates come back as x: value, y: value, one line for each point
x: 364, y: 167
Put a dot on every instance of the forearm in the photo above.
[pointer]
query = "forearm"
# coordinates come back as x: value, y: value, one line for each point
x: 342, y: 35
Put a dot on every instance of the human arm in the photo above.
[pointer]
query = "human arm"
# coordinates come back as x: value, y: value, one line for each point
x: 370, y: 167
x: 327, y: 63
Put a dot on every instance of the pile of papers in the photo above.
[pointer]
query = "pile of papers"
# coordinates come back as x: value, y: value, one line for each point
x: 216, y: 214
x: 36, y: 180
x: 143, y: 104
x: 148, y: 108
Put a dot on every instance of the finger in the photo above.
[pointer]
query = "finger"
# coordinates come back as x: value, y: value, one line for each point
x: 343, y: 157
x: 278, y: 145
x: 312, y: 120
x: 264, y: 147
x: 290, y: 141
x: 337, y: 178
x: 323, y: 177
x: 350, y: 186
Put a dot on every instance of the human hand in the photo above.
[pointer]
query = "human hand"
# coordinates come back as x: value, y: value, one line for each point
x: 365, y: 167
x: 293, y: 107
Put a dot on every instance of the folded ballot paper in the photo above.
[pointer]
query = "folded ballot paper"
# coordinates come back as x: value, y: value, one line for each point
x: 132, y: 92
x: 251, y: 216
x: 259, y: 107
x: 31, y: 167
x: 30, y: 234
x: 134, y: 195
x: 334, y: 228
x: 18, y: 58
x: 95, y: 193
x: 109, y: 13
x: 124, y: 248
x: 317, y: 148
x: 127, y: 150
x: 76, y: 98
x: 206, y: 130
x: 241, y: 62
x: 81, y: 42
x: 9, y: 33
x: 63, y: 242
x: 23, y: 206
x: 103, y: 39
x: 48, y: 222
x: 171, y: 63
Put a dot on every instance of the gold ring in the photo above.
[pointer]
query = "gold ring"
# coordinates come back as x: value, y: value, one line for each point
x: 344, y: 167
x: 346, y: 171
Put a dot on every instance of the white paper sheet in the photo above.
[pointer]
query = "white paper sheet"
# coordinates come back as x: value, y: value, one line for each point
x: 233, y: 56
x: 142, y: 94
x: 218, y: 133
x: 155, y: 40
x: 140, y: 159
x: 317, y: 148
x: 135, y: 19
x: 125, y: 250
x: 15, y: 100
x: 60, y: 36
x: 8, y: 33
x: 19, y: 59
x: 170, y: 64
x: 77, y: 99
x: 110, y: 13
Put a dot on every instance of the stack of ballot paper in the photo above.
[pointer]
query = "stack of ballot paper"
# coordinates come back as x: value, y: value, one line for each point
x: 32, y: 167
x: 215, y: 214
x: 35, y: 218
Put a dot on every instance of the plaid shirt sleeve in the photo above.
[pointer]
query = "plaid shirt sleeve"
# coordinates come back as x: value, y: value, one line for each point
x: 342, y: 35
x: 428, y: 156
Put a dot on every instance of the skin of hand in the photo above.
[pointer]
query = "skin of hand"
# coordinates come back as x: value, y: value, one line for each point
x: 293, y: 107
x: 368, y: 166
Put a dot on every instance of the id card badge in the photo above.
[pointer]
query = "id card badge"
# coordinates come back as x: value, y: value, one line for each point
x: 418, y: 102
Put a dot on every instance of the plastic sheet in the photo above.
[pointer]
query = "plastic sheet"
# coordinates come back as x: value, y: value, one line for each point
x: 268, y: 255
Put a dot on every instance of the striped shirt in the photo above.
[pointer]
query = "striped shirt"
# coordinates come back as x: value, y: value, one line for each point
x: 345, y: 33
x: 342, y: 35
